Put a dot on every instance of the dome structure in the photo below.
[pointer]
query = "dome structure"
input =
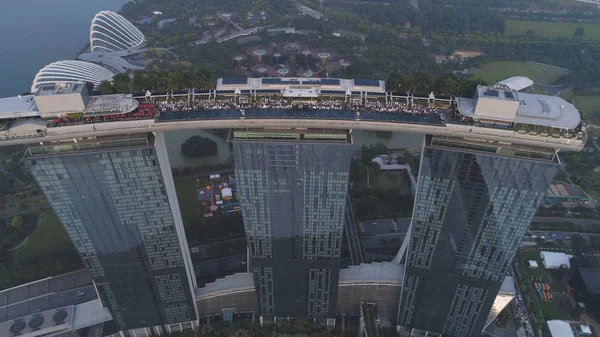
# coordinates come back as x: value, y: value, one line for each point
x: 516, y: 83
x: 71, y: 71
x: 111, y: 32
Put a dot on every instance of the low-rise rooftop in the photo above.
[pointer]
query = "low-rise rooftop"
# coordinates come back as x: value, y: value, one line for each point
x: 591, y: 278
x: 106, y: 104
x: 494, y: 103
x: 18, y: 107
x: 229, y: 283
x: 60, y: 89
x: 373, y: 272
x: 285, y: 83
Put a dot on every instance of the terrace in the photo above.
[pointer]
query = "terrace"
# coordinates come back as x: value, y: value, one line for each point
x: 90, y: 144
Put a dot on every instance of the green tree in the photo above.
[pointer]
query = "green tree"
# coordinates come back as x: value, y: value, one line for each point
x: 16, y: 222
x: 197, y: 146
x: 595, y: 239
x: 121, y: 83
x: 106, y: 88
x: 89, y: 86
x: 577, y: 242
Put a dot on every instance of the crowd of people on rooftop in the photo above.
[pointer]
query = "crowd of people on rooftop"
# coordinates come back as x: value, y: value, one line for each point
x: 283, y: 104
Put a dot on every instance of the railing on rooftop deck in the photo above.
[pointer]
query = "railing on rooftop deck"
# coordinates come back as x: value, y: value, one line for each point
x: 549, y: 156
x: 87, y: 146
x: 428, y: 119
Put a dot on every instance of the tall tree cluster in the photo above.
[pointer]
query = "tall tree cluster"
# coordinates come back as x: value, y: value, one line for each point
x: 143, y: 80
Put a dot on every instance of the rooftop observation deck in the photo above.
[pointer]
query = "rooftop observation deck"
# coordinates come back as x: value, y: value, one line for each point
x: 515, y: 118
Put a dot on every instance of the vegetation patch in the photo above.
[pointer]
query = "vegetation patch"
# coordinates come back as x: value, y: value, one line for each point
x: 589, y: 106
x: 187, y: 195
x: 552, y: 29
x: 47, y: 239
x: 198, y: 147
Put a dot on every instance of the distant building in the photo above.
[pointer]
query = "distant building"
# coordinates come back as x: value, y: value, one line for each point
x: 560, y: 328
x: 562, y: 192
x: 554, y: 260
x: 585, y: 286
x: 281, y: 30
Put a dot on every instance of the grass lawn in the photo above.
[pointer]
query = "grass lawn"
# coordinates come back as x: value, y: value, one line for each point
x: 546, y: 275
x: 494, y: 72
x: 383, y: 180
x: 587, y: 105
x: 48, y: 238
x: 533, y: 255
x: 187, y: 194
x: 552, y: 29
x: 593, y: 193
x: 553, y: 309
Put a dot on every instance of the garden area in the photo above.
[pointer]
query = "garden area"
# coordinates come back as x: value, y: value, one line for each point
x: 200, y: 229
x: 380, y: 194
x: 35, y: 247
x: 552, y: 29
x: 532, y: 280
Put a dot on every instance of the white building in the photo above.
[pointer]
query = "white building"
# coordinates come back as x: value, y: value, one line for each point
x: 516, y: 83
x: 553, y: 260
x: 533, y: 264
x: 560, y: 328
x: 111, y: 32
x: 71, y: 71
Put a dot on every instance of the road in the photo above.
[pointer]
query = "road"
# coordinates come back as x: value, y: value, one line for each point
x: 586, y: 223
x: 561, y: 236
x: 521, y: 309
x: 383, y: 227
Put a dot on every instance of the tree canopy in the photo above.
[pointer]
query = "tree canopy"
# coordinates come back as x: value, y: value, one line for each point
x: 198, y: 147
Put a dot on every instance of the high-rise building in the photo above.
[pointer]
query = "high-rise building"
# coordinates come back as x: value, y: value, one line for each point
x: 116, y: 199
x: 474, y: 203
x: 293, y: 185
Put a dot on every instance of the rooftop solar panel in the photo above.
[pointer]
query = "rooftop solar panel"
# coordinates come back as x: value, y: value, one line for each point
x: 334, y: 92
x: 235, y: 80
x: 366, y: 82
x: 271, y: 80
x: 331, y: 81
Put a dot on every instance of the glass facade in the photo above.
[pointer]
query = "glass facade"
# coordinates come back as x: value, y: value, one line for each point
x: 293, y: 197
x: 113, y: 201
x: 472, y: 209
